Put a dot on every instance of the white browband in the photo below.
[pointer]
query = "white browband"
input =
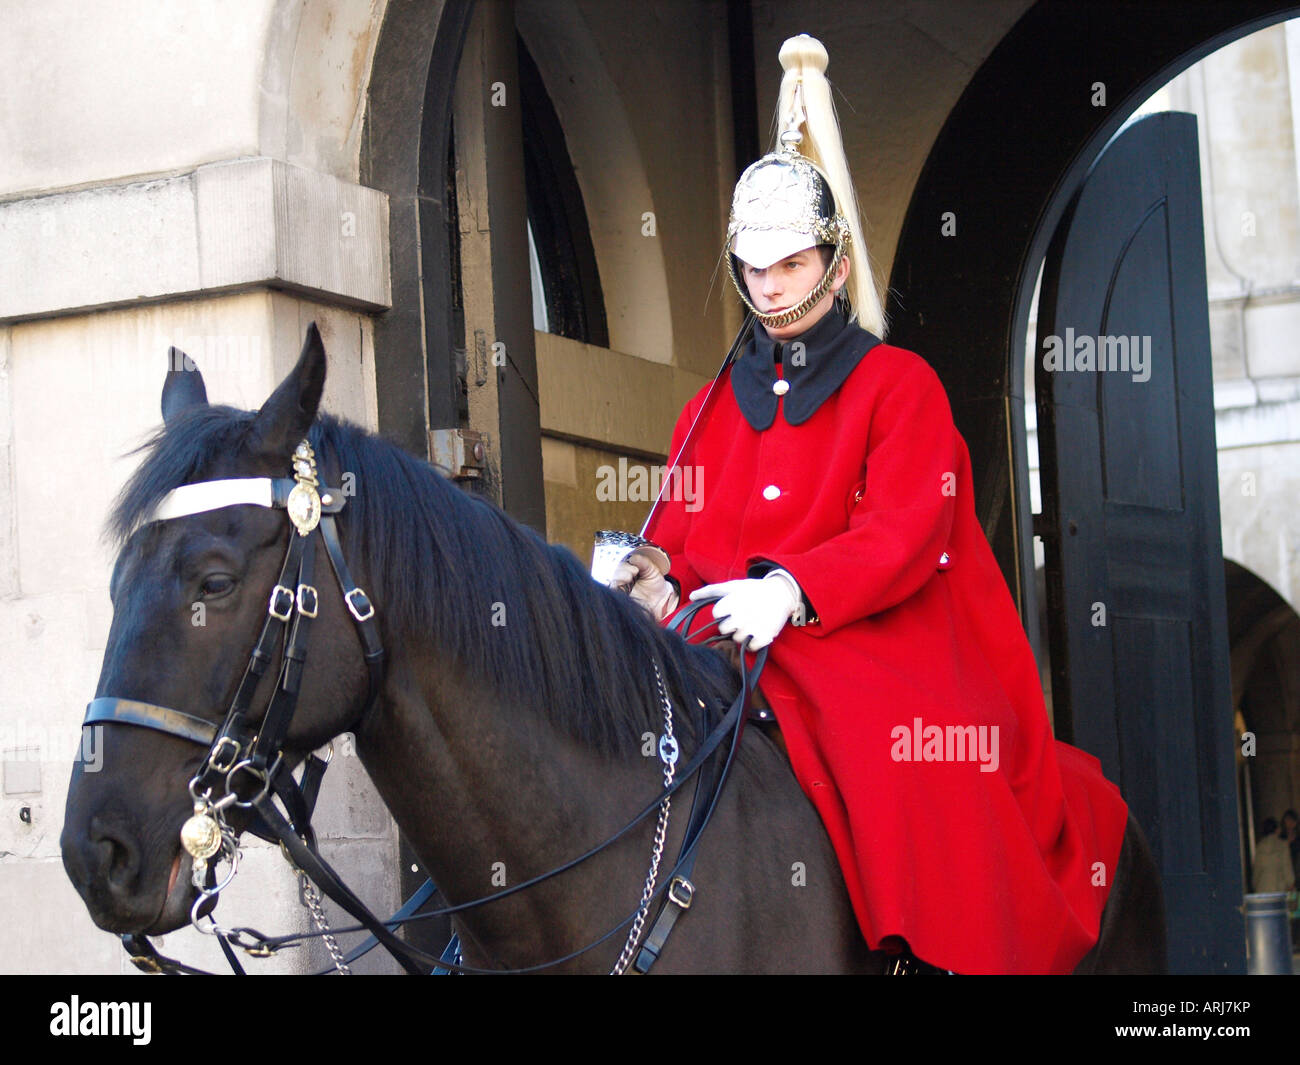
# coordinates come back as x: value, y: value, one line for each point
x: 213, y: 495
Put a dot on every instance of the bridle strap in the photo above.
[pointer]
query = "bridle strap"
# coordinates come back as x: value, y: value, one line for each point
x: 280, y: 606
x: 106, y: 710
x: 270, y: 492
x: 145, y: 957
x: 677, y: 899
x: 361, y: 609
x: 418, y: 898
x: 284, y: 700
x: 292, y: 605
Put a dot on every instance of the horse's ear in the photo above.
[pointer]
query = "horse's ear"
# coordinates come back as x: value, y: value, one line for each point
x: 183, y: 387
x: 289, y: 411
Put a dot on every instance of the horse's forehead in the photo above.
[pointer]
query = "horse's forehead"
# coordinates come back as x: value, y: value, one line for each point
x: 148, y: 553
x: 155, y: 546
x: 241, y: 464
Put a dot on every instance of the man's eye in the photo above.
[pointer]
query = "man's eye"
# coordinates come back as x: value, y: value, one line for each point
x: 217, y: 585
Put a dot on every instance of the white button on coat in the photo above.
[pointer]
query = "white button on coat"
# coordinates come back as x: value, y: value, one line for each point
x: 771, y: 492
x: 780, y: 387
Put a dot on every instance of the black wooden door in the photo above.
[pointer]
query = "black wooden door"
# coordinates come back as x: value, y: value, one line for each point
x: 1131, y: 521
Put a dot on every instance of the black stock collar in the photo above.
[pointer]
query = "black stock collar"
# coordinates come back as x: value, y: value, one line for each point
x: 830, y: 351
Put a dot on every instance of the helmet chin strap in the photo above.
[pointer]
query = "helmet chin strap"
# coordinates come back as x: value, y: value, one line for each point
x: 792, y: 314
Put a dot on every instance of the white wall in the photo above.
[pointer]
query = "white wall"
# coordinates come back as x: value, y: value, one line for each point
x: 81, y: 392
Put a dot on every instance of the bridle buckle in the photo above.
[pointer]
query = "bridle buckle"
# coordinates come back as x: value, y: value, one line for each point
x: 681, y: 891
x: 364, y: 612
x: 282, y: 598
x: 218, y: 759
x: 308, y: 601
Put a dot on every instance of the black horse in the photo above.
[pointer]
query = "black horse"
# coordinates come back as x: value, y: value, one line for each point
x: 512, y: 732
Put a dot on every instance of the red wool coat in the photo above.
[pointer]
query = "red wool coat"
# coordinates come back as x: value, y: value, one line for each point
x: 989, y: 855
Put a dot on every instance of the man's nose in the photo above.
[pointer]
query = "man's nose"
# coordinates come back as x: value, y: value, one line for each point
x: 771, y: 284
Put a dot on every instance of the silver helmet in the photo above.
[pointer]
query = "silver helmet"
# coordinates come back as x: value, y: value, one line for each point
x: 782, y: 205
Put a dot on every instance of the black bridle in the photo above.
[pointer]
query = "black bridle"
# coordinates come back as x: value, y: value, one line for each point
x: 242, y: 756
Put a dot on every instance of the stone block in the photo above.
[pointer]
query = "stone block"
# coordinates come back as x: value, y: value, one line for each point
x: 92, y: 93
x: 1226, y: 339
x: 265, y: 220
x: 349, y: 807
x: 227, y: 225
x: 98, y: 247
x: 1270, y: 331
x: 21, y: 770
x: 55, y: 936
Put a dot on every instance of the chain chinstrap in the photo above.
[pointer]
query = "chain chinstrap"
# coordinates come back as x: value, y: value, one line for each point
x: 777, y: 321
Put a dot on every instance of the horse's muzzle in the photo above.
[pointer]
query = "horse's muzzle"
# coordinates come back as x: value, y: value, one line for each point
x: 122, y: 892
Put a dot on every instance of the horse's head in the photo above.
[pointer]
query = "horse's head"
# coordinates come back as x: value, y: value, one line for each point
x: 190, y: 597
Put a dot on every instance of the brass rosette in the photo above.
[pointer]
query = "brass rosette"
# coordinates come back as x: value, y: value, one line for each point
x: 201, y: 836
x: 303, y: 504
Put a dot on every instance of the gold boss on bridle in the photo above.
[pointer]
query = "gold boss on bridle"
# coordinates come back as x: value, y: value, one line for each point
x: 783, y: 191
x: 303, y: 504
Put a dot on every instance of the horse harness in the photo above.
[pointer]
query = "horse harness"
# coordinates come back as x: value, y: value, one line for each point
x: 244, y: 758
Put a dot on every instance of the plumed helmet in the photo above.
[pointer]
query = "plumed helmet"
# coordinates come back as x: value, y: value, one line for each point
x: 801, y: 195
x: 782, y: 205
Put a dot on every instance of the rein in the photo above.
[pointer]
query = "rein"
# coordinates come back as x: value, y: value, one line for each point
x: 241, y: 758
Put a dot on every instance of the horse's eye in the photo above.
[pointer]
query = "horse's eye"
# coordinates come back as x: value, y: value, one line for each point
x: 217, y: 585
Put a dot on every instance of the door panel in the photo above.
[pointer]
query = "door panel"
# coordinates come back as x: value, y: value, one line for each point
x: 1131, y: 520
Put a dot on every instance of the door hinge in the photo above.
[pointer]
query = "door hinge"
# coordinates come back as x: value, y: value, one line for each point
x: 1044, y: 527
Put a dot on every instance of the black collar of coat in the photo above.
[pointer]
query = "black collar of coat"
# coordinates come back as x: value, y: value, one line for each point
x: 831, y: 350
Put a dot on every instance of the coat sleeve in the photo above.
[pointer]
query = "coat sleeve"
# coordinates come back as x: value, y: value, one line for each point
x: 673, y: 521
x: 899, y: 530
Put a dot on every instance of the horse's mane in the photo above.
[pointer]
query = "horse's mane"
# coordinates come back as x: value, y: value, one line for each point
x: 450, y: 568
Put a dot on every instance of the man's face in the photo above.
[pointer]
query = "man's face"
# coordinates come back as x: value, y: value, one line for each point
x: 785, y: 283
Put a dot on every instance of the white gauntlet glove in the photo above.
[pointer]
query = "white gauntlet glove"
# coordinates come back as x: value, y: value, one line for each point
x: 645, y: 582
x: 757, y: 608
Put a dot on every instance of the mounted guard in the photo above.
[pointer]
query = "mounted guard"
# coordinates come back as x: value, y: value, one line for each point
x: 840, y: 528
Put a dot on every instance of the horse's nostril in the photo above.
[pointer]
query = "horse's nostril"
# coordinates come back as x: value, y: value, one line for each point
x: 115, y: 855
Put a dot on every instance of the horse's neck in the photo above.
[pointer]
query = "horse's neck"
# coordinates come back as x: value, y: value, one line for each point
x: 491, y: 795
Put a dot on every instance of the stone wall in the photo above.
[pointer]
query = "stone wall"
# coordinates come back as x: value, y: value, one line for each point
x: 175, y: 174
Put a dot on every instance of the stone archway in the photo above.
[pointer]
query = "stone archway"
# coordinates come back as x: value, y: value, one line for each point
x: 1264, y: 637
x: 963, y: 295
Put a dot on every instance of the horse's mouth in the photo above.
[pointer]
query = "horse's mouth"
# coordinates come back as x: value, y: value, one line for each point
x: 179, y: 898
x: 176, y: 868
